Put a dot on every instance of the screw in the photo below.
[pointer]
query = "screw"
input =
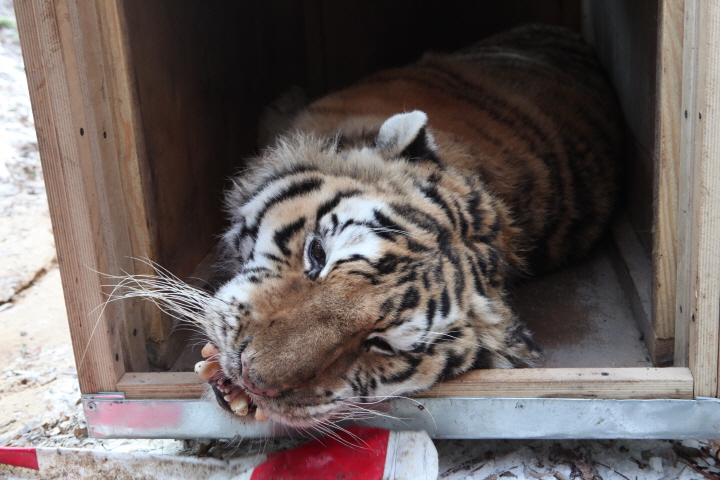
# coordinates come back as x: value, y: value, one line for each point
x: 92, y: 406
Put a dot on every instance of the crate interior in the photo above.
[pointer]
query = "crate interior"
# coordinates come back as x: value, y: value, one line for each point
x: 204, y: 71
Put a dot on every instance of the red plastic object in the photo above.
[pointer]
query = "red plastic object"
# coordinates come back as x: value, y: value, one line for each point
x: 19, y: 457
x: 359, y: 454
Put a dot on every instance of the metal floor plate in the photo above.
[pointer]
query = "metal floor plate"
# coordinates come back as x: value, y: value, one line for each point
x: 112, y: 416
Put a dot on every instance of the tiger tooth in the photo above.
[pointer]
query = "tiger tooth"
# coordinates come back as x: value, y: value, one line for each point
x: 239, y: 405
x: 207, y: 369
x: 260, y: 415
x: 209, y: 350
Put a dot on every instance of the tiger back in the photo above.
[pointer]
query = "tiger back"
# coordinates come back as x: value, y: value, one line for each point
x: 529, y: 111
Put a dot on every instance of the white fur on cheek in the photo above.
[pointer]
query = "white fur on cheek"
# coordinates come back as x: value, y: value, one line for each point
x: 355, y: 239
x: 408, y: 334
x: 482, y: 304
x: 358, y: 209
x: 235, y: 291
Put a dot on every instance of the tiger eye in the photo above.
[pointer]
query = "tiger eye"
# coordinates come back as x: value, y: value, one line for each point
x: 317, y: 252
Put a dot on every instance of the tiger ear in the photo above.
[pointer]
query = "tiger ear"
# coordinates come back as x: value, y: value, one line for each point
x: 405, y: 135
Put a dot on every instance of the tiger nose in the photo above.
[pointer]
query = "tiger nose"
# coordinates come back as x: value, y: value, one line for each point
x: 251, y: 384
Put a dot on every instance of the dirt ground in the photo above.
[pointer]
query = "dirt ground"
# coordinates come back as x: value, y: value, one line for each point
x: 39, y: 397
x: 34, y: 341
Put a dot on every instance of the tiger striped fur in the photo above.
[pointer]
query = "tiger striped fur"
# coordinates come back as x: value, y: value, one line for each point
x: 370, y: 248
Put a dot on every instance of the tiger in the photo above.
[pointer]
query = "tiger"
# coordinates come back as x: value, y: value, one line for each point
x: 371, y: 249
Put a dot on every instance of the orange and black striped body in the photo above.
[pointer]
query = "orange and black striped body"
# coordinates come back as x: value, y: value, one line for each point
x: 370, y: 249
x: 529, y: 111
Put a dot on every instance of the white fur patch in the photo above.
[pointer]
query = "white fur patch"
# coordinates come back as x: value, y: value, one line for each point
x: 484, y: 309
x: 400, y: 130
x: 235, y: 291
x: 407, y: 335
x: 354, y: 239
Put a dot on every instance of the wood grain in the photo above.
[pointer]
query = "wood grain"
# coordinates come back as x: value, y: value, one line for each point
x: 667, y: 164
x: 698, y: 278
x: 634, y: 267
x: 613, y: 383
x: 198, y: 112
x: 133, y: 172
x: 57, y: 59
x: 645, y: 62
x: 182, y: 385
x: 108, y: 102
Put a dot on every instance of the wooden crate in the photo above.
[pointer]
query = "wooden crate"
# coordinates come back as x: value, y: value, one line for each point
x: 143, y: 109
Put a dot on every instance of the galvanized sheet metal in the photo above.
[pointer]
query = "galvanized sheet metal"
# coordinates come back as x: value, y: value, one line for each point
x: 535, y: 418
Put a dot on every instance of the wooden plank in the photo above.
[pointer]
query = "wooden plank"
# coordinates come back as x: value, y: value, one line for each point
x: 181, y: 385
x: 103, y: 78
x: 198, y: 113
x: 683, y: 297
x: 634, y: 267
x: 613, y: 383
x: 649, y: 89
x: 571, y: 13
x: 698, y: 279
x: 123, y: 137
x: 352, y: 50
x: 54, y: 67
x: 315, y: 48
x: 624, y: 35
x: 667, y: 154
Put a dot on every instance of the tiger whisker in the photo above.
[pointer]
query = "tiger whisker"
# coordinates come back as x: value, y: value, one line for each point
x: 359, y: 414
x: 174, y: 310
x: 331, y: 431
x: 171, y: 295
x: 351, y: 435
x: 447, y: 335
x: 381, y: 398
x: 102, y: 307
x: 399, y: 398
x: 373, y: 413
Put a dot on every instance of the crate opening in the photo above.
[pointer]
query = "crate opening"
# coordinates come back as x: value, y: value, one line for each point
x: 204, y: 73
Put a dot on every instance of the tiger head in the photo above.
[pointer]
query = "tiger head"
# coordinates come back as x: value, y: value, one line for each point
x: 359, y: 268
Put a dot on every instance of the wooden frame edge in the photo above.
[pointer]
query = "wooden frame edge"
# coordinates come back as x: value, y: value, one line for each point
x: 50, y: 38
x: 698, y: 275
x: 667, y: 163
x: 608, y: 383
x: 634, y: 268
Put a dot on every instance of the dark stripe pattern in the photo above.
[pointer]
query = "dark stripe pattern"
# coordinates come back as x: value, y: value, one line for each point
x: 523, y: 179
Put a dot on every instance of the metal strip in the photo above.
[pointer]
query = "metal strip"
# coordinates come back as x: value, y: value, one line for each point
x: 533, y: 418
